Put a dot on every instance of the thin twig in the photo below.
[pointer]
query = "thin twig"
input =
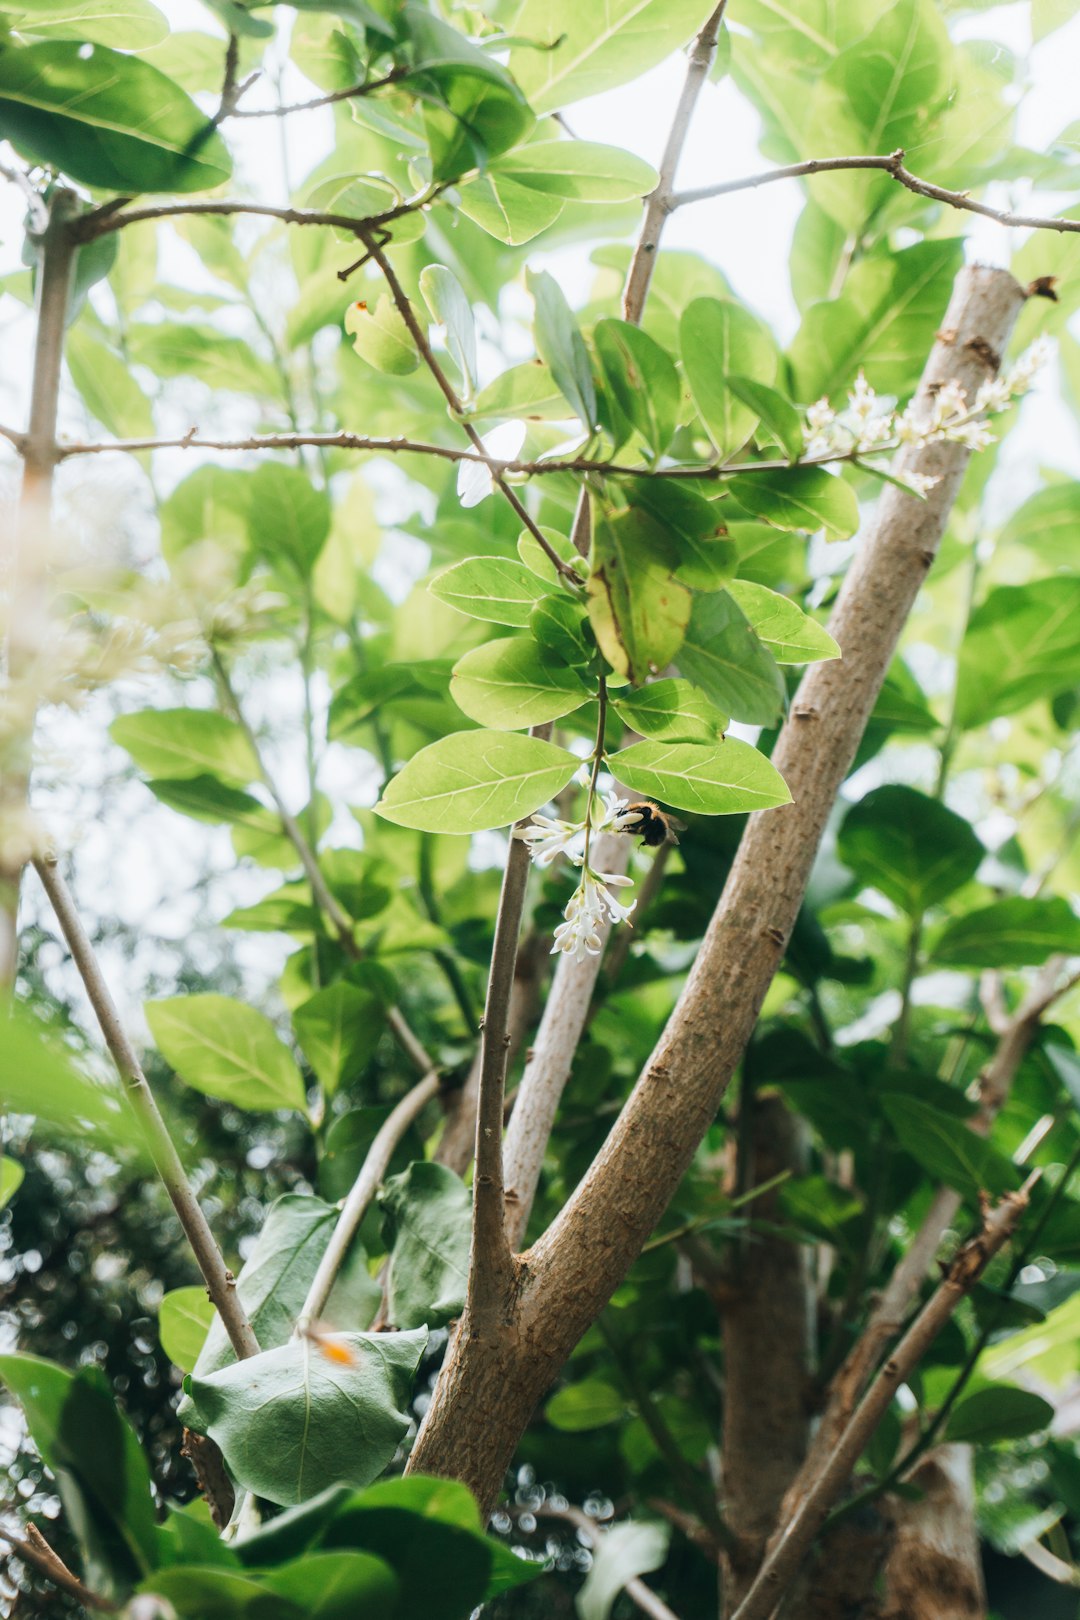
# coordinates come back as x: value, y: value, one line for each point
x: 892, y: 164
x: 219, y: 1280
x: 404, y: 308
x: 353, y: 93
x: 363, y: 1190
x: 35, y: 204
x: 779, y: 1568
x: 635, y: 1588
x: 102, y: 221
x: 13, y: 437
x: 35, y: 1550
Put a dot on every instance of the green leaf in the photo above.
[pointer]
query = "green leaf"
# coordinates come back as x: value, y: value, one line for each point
x: 288, y: 517
x: 878, y: 95
x: 513, y: 683
x: 588, y: 1405
x: 908, y: 846
x: 11, y: 1179
x: 507, y: 210
x: 725, y: 779
x: 381, y: 337
x: 184, y: 1319
x: 526, y: 393
x: 339, y: 1029
x: 275, y: 1278
x: 1047, y: 522
x: 723, y: 656
x: 473, y: 109
x: 204, y: 798
x: 207, y: 1592
x: 694, y: 525
x: 209, y: 504
x: 583, y: 170
x: 448, y: 304
x: 346, y: 1147
x: 224, y: 1049
x: 109, y: 391
x: 642, y: 378
x: 537, y: 560
x: 718, y: 337
x: 884, y: 324
x: 496, y: 589
x: 671, y: 711
x: 101, y: 1472
x: 945, y: 1148
x: 131, y: 24
x: 573, y: 51
x: 807, y: 498
x: 291, y: 1421
x: 638, y: 610
x: 107, y: 119
x: 560, y: 625
x: 1022, y: 644
x: 335, y: 1585
x: 1016, y: 932
x: 775, y: 413
x: 180, y: 743
x: 39, y: 1076
x: 176, y: 349
x: 473, y: 780
x: 620, y: 1555
x: 998, y: 1412
x: 427, y: 1226
x: 561, y: 346
x: 791, y: 635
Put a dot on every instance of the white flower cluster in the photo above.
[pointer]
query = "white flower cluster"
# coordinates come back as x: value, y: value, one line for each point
x: 868, y: 425
x: 592, y: 903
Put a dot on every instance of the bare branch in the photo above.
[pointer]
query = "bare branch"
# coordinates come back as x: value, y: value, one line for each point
x: 1016, y: 1035
x: 363, y: 1190
x: 353, y: 93
x: 102, y: 221
x: 35, y: 1551
x: 971, y: 1261
x: 635, y: 1588
x: 17, y: 439
x: 659, y: 204
x: 891, y: 164
x: 219, y: 1280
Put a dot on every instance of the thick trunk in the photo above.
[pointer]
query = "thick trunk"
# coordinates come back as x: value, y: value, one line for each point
x: 571, y: 1273
x: 933, y: 1570
x: 767, y: 1335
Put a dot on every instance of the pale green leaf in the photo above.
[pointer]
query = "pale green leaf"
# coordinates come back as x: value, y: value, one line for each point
x: 179, y: 743
x: 513, y: 683
x: 585, y: 49
x: 807, y: 498
x: 671, y: 711
x: 381, y: 337
x: 184, y: 1320
x: 791, y: 635
x: 718, y: 337
x: 714, y: 780
x: 496, y: 589
x: 473, y: 780
x: 224, y: 1049
x: 583, y: 170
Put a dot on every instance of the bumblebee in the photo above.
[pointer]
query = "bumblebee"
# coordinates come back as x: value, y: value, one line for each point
x: 656, y: 826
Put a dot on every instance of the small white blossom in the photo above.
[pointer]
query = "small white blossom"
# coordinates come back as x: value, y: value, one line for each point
x: 993, y: 395
x: 1020, y: 376
x: 474, y: 480
x: 919, y: 483
x: 616, y: 815
x: 579, y: 935
x: 549, y: 838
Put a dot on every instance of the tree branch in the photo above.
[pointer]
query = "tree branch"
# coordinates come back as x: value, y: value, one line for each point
x: 26, y: 565
x: 966, y: 1269
x: 102, y: 221
x: 887, y: 1317
x: 362, y: 1191
x: 353, y: 93
x: 891, y: 164
x: 635, y: 1588
x: 220, y: 1284
x: 660, y: 203
x: 35, y: 1551
x: 577, y: 1264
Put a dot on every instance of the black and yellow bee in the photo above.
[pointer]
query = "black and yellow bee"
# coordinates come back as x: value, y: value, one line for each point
x: 656, y: 826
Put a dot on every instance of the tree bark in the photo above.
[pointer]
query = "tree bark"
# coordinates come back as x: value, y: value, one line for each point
x: 486, y: 1393
x: 767, y: 1336
x: 933, y: 1570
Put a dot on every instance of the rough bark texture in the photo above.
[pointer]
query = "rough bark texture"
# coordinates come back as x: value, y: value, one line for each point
x: 933, y: 1571
x: 767, y: 1324
x: 474, y: 1422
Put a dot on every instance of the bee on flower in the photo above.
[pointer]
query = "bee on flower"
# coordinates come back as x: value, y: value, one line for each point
x: 592, y: 905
